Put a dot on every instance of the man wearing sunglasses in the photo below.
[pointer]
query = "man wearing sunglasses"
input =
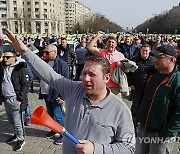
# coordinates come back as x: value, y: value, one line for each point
x: 12, y: 92
x: 52, y: 99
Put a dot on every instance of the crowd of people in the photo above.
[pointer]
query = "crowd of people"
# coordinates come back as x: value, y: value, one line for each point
x: 108, y: 68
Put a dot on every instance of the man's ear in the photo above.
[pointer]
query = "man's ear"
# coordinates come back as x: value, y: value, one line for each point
x: 173, y: 59
x: 107, y: 77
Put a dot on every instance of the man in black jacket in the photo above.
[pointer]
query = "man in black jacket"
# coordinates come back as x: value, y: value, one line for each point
x: 12, y: 93
x: 68, y: 55
x: 137, y: 79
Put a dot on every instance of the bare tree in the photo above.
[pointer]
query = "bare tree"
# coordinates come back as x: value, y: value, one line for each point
x: 166, y: 22
x: 99, y: 22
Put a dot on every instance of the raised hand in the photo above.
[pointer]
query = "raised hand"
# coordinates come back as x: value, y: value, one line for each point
x: 17, y: 44
x: 101, y: 33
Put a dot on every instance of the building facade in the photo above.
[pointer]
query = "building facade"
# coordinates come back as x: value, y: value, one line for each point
x: 33, y: 16
x: 75, y: 13
x: 41, y: 16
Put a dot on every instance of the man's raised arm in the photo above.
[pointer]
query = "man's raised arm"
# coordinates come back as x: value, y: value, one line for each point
x: 38, y: 66
x: 92, y: 45
x: 17, y: 44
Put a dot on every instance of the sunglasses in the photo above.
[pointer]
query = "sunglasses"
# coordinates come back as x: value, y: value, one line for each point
x: 7, y: 57
x: 47, y: 52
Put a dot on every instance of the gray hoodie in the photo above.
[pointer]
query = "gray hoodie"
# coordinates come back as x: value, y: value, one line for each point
x: 7, y: 86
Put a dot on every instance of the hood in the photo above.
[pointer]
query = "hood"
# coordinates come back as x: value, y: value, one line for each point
x: 18, y: 60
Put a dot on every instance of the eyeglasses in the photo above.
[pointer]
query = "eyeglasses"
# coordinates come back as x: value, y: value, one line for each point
x: 7, y: 57
x: 48, y: 52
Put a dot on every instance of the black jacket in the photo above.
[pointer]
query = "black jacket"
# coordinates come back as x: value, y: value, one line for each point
x: 138, y: 78
x: 18, y: 79
x: 69, y: 56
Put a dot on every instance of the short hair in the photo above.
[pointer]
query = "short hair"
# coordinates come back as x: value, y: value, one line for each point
x: 52, y: 47
x: 12, y: 51
x: 45, y: 42
x: 146, y: 45
x: 101, y: 61
x: 63, y: 38
x: 156, y: 45
x: 111, y: 38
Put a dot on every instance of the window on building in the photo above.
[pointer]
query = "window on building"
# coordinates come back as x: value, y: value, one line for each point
x: 15, y: 8
x: 45, y: 10
x: 29, y: 9
x: 45, y: 3
x: 45, y: 16
x: 4, y: 23
x: 36, y: 3
x: 38, y: 27
x: 36, y: 9
x: 3, y: 15
x: 16, y: 26
x: 14, y: 3
x: 28, y: 3
x: 3, y: 9
x: 37, y: 24
x: 3, y: 2
x: 46, y: 24
x: 15, y: 15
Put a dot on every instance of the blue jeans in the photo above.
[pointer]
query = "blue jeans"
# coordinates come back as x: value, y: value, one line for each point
x: 28, y: 112
x: 55, y: 111
x: 14, y: 116
x: 28, y: 109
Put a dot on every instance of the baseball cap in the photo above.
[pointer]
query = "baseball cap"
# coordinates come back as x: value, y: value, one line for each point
x: 165, y: 49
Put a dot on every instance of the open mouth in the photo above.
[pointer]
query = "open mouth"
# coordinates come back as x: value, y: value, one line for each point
x: 88, y: 86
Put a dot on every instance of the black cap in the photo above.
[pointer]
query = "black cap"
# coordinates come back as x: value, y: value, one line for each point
x: 165, y: 49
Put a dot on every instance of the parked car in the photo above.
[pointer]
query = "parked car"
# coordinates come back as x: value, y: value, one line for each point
x: 8, y: 47
x: 73, y: 44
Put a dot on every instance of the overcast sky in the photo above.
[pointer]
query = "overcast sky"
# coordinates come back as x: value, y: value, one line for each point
x: 129, y: 13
